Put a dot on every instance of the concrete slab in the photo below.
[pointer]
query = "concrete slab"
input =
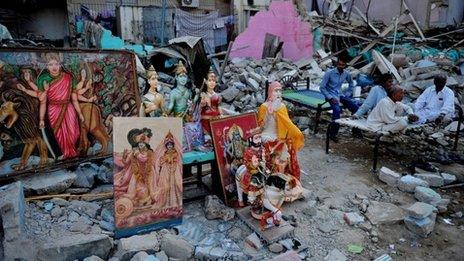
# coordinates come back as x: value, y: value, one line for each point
x: 269, y: 235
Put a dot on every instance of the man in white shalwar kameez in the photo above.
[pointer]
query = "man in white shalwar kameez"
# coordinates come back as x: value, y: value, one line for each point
x: 389, y: 114
x: 436, y: 103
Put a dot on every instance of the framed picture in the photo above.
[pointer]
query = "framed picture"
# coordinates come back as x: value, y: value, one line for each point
x: 66, y: 100
x: 230, y: 141
x: 147, y: 174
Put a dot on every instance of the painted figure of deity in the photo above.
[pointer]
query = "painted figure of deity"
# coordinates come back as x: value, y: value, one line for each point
x: 169, y: 168
x: 235, y: 146
x: 59, y: 100
x: 136, y: 182
x: 152, y: 101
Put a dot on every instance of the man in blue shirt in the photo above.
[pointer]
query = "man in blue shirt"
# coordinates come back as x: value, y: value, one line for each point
x: 377, y: 93
x: 331, y: 88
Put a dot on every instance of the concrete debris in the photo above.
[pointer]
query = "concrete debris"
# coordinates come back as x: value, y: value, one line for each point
x: 427, y: 195
x: 162, y: 256
x: 353, y: 218
x: 389, y: 176
x: 74, y: 247
x: 288, y: 256
x: 83, y: 207
x: 85, y: 175
x: 13, y: 223
x: 177, y: 247
x: 421, y: 210
x: 214, y: 209
x: 254, y: 241
x: 384, y: 213
x: 448, y: 178
x: 422, y: 227
x: 93, y: 258
x: 143, y: 256
x: 335, y: 255
x: 128, y: 247
x: 434, y: 180
x: 50, y: 183
x: 409, y: 183
x: 276, y: 248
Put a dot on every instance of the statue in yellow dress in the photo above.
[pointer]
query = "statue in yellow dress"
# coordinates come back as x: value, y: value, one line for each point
x: 279, y: 134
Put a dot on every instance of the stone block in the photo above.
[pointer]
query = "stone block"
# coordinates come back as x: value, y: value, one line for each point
x: 128, y: 247
x: 448, y: 178
x: 384, y: 213
x: 389, y: 176
x: 50, y: 183
x: 427, y: 195
x: 353, y: 218
x: 83, y: 207
x: 230, y: 93
x: 422, y: 227
x: 93, y: 258
x: 12, y: 209
x: 408, y: 183
x: 177, y: 247
x: 214, y: 209
x: 434, y: 180
x: 72, y: 247
x: 143, y: 256
x: 421, y: 210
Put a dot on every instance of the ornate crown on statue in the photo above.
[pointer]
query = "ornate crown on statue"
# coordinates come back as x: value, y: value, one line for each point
x: 180, y: 69
x: 151, y: 72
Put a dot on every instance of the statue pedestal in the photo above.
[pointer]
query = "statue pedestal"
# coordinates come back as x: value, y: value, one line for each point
x: 269, y: 235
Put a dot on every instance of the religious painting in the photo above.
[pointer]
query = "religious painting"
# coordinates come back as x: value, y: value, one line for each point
x: 56, y: 107
x: 147, y: 174
x: 230, y: 137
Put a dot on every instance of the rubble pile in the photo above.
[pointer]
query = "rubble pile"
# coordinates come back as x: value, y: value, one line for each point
x: 245, y: 80
x: 422, y: 214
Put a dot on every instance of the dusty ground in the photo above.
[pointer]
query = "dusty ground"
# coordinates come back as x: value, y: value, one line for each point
x: 335, y: 178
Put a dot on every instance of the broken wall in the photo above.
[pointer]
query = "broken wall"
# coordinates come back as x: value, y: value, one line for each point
x: 385, y: 10
x: 281, y: 20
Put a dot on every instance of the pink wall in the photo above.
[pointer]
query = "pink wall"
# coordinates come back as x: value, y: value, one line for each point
x: 281, y: 20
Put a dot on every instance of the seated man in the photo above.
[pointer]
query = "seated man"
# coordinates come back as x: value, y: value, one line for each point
x: 388, y: 115
x: 331, y: 88
x: 377, y: 93
x: 436, y: 102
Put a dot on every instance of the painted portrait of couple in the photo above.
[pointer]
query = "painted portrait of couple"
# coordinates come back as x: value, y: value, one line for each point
x: 148, y: 172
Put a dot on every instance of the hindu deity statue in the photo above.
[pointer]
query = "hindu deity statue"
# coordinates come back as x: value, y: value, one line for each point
x: 152, y: 101
x: 180, y: 95
x: 280, y: 136
x: 210, y: 101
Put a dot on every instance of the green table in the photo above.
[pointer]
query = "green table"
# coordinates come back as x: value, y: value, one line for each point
x: 198, y: 159
x: 310, y: 99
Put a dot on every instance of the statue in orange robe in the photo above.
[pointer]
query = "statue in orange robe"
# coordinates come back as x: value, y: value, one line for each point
x: 277, y: 126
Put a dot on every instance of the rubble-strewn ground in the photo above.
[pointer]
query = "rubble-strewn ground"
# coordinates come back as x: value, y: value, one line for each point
x: 340, y: 182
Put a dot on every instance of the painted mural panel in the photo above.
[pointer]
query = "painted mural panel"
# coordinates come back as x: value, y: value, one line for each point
x: 230, y: 137
x: 147, y: 174
x: 57, y: 107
